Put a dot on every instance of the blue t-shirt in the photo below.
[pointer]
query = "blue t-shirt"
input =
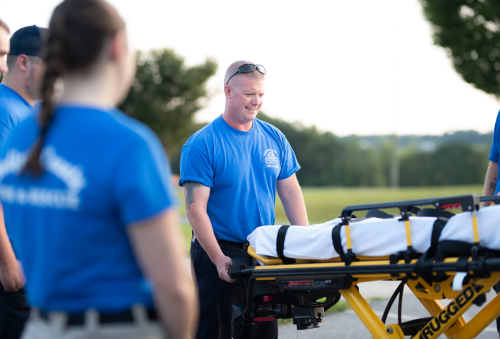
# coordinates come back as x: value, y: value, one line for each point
x: 13, y: 109
x: 495, y: 149
x: 103, y: 171
x: 241, y: 168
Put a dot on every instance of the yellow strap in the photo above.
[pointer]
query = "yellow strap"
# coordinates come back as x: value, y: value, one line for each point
x: 348, y: 234
x: 476, y: 232
x: 408, y: 232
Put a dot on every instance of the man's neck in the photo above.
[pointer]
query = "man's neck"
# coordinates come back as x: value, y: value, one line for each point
x: 234, y: 123
x: 14, y: 85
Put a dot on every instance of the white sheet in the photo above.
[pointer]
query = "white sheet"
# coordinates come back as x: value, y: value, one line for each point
x: 376, y: 237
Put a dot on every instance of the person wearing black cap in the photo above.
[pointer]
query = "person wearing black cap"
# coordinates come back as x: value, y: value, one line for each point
x: 11, y: 277
x: 13, y: 308
x: 18, y: 95
x: 20, y: 86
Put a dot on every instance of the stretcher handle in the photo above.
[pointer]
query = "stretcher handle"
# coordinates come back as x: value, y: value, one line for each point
x: 469, y: 202
x: 449, y: 265
x: 492, y: 198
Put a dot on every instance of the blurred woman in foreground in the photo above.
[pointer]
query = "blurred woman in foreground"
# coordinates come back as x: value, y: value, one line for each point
x: 89, y: 192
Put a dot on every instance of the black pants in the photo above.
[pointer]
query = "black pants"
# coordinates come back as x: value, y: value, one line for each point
x: 14, y: 311
x: 217, y: 296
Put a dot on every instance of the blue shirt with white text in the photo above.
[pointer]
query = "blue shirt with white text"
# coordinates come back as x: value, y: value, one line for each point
x: 241, y: 169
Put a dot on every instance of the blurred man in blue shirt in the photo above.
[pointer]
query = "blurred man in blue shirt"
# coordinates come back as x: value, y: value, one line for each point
x: 491, y: 185
x: 18, y: 94
x: 19, y: 89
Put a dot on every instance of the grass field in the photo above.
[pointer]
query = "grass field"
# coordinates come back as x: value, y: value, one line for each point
x: 326, y: 203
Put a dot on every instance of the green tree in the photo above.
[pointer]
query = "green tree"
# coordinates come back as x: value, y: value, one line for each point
x: 165, y: 96
x: 470, y: 32
x: 449, y: 164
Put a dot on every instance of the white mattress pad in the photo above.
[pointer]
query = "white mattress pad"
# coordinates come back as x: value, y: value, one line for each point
x: 376, y: 237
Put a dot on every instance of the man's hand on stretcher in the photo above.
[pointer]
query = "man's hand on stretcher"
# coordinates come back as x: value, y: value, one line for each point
x: 489, y: 203
x: 196, y: 196
x: 223, y: 264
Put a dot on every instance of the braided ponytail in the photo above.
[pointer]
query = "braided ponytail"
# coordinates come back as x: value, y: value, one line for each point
x: 78, y: 31
x: 54, y: 70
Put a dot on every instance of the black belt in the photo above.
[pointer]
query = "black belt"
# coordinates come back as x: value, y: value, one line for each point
x: 243, y: 245
x: 125, y: 317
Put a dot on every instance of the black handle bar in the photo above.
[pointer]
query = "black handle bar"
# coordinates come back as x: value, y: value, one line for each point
x: 493, y: 198
x: 468, y: 202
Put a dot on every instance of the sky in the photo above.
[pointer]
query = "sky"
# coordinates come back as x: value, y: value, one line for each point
x: 350, y: 67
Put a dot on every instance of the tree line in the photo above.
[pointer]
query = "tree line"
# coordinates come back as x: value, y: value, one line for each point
x: 328, y: 160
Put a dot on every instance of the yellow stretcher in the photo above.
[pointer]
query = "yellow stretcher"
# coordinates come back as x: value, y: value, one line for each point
x: 304, y: 290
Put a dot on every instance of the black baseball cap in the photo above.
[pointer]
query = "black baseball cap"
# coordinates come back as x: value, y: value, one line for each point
x: 28, y: 40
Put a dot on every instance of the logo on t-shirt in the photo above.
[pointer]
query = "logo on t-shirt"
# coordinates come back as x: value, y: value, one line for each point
x: 271, y: 158
x: 45, y: 197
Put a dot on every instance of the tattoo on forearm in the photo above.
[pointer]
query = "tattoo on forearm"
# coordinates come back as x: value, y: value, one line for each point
x: 493, y: 185
x: 190, y: 186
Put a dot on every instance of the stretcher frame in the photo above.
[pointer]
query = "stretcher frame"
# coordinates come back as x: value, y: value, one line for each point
x: 273, y: 284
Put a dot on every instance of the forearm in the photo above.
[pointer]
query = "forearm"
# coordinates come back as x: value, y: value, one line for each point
x: 490, y: 182
x: 7, y: 256
x: 197, y: 196
x: 295, y: 209
x: 158, y: 248
x: 180, y: 321
x: 293, y: 201
x: 11, y: 276
x: 203, y: 231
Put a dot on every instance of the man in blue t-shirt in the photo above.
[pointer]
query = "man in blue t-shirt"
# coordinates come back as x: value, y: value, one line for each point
x: 10, y: 278
x: 19, y: 91
x: 230, y: 172
x: 20, y: 87
x: 491, y: 185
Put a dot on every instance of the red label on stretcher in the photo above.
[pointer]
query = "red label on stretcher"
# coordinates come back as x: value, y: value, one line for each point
x: 450, y: 206
x: 268, y: 298
x: 301, y: 283
x: 264, y: 319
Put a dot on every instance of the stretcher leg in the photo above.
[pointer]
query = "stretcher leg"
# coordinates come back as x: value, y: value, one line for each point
x: 434, y: 307
x: 477, y: 324
x: 453, y: 312
x: 371, y: 321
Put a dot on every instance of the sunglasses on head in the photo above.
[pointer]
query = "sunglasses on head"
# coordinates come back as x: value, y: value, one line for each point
x: 247, y: 68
